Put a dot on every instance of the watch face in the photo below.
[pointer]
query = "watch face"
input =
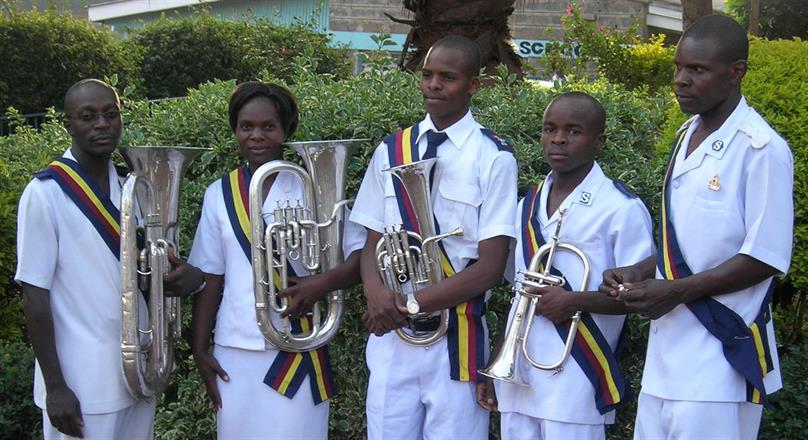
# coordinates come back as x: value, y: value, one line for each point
x: 413, y: 307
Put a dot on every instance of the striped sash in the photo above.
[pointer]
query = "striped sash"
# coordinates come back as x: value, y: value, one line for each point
x: 746, y: 348
x: 466, y: 336
x: 87, y: 195
x: 590, y: 350
x: 289, y: 369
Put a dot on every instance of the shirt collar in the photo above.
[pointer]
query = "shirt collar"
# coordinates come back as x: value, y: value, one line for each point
x: 114, y: 190
x: 716, y: 143
x: 458, y: 133
x: 584, y: 194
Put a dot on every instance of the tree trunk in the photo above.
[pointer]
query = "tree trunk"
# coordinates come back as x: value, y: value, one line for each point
x: 692, y: 10
x: 754, y: 17
x: 484, y: 21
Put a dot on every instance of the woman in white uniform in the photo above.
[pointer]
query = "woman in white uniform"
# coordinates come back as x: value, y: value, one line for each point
x: 255, y: 387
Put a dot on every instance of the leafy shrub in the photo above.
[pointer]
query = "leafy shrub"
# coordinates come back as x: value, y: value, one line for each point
x: 19, y: 417
x: 45, y: 53
x: 786, y: 417
x: 620, y: 56
x: 778, y: 18
x: 176, y: 55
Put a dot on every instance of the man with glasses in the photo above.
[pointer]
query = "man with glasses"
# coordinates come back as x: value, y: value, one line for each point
x: 67, y: 264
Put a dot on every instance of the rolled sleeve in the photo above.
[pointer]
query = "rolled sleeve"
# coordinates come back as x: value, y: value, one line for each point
x: 498, y: 209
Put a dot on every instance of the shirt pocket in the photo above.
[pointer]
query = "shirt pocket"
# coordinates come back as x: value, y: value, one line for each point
x: 458, y: 205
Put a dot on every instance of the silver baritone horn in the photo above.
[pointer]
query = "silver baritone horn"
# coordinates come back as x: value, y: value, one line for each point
x: 310, y: 233
x: 407, y: 256
x: 503, y: 366
x: 153, y: 186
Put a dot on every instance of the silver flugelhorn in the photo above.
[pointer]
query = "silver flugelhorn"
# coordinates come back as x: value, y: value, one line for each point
x: 406, y: 256
x: 153, y: 187
x: 503, y: 366
x: 310, y: 233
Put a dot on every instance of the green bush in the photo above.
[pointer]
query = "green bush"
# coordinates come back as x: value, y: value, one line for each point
x: 19, y: 417
x: 178, y: 54
x: 778, y: 18
x: 620, y: 56
x: 45, y: 53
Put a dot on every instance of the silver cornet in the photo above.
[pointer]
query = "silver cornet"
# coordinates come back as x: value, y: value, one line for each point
x: 310, y: 233
x: 154, y: 185
x: 406, y: 256
x: 503, y: 366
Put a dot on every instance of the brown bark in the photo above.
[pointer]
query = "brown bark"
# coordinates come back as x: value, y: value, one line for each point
x: 692, y: 10
x: 754, y: 17
x: 485, y: 21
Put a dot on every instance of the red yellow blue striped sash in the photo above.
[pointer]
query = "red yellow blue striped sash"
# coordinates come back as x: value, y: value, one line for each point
x: 746, y: 348
x: 288, y: 370
x: 466, y: 336
x: 590, y: 350
x: 87, y: 195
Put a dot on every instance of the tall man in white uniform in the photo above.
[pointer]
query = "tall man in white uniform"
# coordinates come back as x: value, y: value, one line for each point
x: 67, y: 264
x: 726, y: 231
x: 429, y: 392
x: 612, y: 227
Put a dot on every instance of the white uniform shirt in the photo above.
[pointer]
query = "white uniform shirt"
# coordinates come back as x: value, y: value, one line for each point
x: 612, y: 229
x: 474, y: 188
x: 217, y: 251
x: 751, y: 213
x: 59, y: 250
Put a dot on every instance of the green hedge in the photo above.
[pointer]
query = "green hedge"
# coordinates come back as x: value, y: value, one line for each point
x: 178, y: 54
x: 44, y: 53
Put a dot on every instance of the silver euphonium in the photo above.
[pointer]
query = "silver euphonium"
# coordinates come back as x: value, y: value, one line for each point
x: 310, y: 233
x: 153, y: 187
x: 406, y: 256
x: 503, y: 366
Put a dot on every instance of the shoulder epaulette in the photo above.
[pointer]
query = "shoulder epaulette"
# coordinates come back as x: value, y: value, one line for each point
x: 624, y: 189
x: 501, y: 143
x: 757, y: 138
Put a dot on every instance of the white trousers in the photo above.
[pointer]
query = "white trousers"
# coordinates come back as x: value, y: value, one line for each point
x: 516, y: 426
x: 680, y: 419
x: 410, y: 395
x: 134, y: 422
x: 253, y: 410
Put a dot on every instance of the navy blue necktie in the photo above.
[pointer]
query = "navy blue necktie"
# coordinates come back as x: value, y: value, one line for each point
x: 433, y: 139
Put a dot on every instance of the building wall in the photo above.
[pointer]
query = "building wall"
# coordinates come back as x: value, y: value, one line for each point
x: 532, y: 19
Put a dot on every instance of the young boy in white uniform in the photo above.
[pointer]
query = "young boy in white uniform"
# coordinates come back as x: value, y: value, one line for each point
x: 68, y: 266
x: 611, y: 226
x: 726, y: 231
x: 428, y: 391
x: 259, y: 391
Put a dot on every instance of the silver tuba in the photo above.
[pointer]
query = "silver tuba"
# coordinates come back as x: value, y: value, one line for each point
x: 406, y: 256
x: 503, y: 366
x: 310, y: 233
x: 153, y: 186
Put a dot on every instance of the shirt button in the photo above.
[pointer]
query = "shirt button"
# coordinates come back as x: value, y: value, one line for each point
x: 676, y: 184
x: 654, y: 329
x: 426, y: 348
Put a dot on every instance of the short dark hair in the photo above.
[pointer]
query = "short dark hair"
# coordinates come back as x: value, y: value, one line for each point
x: 285, y: 103
x: 468, y: 47
x: 726, y: 33
x: 84, y: 83
x: 595, y: 108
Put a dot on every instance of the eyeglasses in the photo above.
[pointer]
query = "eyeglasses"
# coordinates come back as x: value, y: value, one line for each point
x: 92, y: 117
